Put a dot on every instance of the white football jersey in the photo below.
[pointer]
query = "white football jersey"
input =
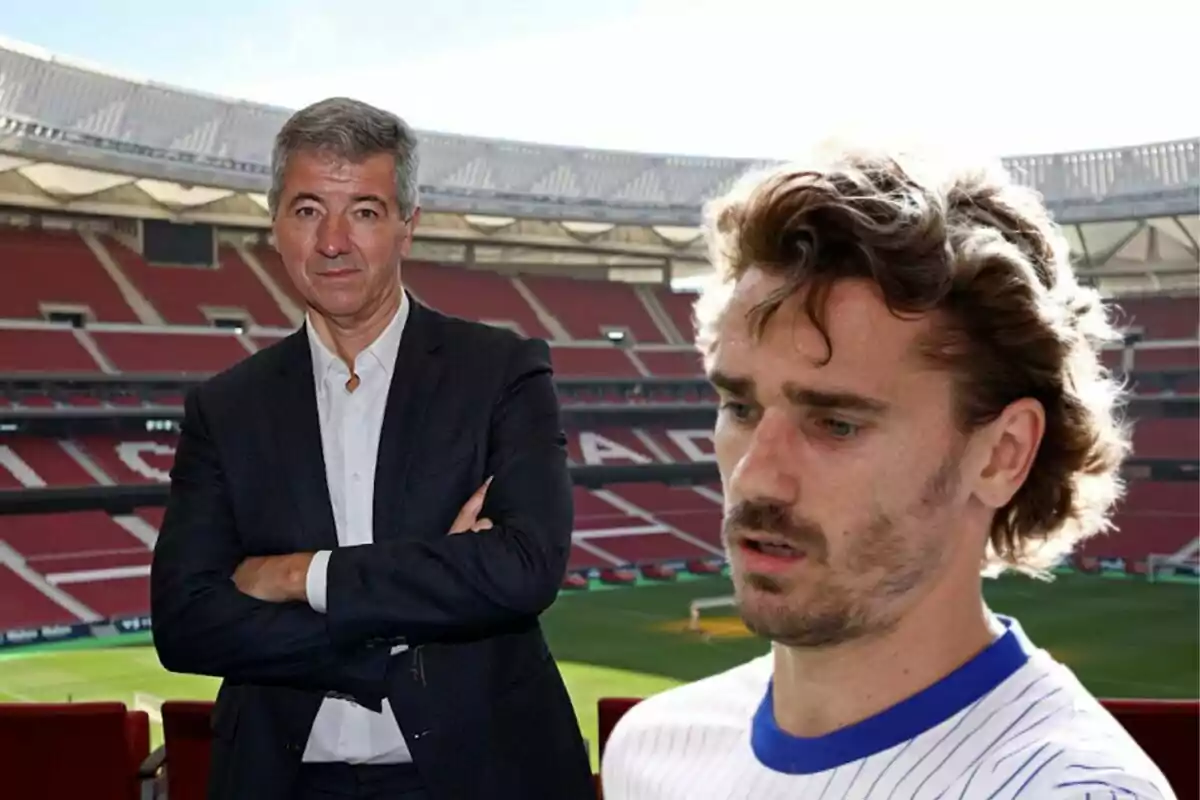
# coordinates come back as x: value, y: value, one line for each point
x: 1010, y: 723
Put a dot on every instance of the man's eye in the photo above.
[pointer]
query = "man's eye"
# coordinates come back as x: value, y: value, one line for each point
x: 740, y: 412
x: 838, y: 428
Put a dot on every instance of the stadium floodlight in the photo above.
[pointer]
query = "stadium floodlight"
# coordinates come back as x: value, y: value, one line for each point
x: 616, y: 337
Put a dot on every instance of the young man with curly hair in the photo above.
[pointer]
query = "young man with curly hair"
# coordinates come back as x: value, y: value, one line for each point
x: 911, y: 397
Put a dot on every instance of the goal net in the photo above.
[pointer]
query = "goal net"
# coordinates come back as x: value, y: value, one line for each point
x: 702, y: 604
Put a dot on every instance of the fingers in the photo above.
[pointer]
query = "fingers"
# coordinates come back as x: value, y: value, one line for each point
x: 475, y: 502
x: 467, y: 518
x: 476, y: 526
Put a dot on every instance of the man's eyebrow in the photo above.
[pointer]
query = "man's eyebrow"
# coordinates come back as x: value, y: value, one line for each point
x: 734, y: 384
x: 358, y: 198
x: 304, y: 197
x: 742, y: 386
x: 833, y: 400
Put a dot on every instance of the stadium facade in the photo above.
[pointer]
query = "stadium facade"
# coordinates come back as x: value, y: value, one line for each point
x: 77, y: 140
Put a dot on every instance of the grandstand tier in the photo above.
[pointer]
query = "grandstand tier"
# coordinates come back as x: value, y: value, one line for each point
x: 99, y: 306
x: 78, y: 564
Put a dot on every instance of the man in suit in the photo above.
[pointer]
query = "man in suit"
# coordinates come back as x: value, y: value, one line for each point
x: 367, y: 518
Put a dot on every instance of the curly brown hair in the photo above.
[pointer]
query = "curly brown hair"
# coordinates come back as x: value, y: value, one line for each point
x: 1014, y: 322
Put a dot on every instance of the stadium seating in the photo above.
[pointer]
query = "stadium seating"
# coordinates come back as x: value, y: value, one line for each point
x: 186, y: 752
x: 181, y: 294
x: 1167, y: 437
x: 629, y: 524
x: 588, y: 309
x: 556, y: 308
x: 72, y: 751
x: 160, y: 352
x: 1157, y: 517
x: 1169, y: 732
x: 22, y: 604
x: 593, y: 362
x: 1161, y: 317
x: 81, y: 565
x: 43, y: 350
x: 29, y: 462
x: 678, y: 306
x: 474, y: 294
x: 56, y: 268
x: 100, y: 562
x: 672, y: 364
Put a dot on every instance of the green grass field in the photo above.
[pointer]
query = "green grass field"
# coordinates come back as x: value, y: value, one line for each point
x: 1125, y: 638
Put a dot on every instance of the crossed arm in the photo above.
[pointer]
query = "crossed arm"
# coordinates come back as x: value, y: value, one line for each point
x: 280, y: 579
x: 500, y: 570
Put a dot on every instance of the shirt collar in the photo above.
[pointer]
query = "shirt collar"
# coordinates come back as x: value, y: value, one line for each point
x: 383, y: 350
x: 901, y: 723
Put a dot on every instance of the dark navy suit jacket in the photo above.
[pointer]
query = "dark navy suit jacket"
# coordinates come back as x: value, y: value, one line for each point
x: 477, y: 694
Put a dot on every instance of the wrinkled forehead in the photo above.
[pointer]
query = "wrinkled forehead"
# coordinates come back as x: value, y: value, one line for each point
x: 869, y: 349
x: 323, y: 164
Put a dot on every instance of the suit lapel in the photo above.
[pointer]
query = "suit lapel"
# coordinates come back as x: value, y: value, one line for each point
x: 297, y: 427
x: 414, y: 384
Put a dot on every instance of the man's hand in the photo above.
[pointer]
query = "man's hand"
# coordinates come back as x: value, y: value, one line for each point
x: 282, y: 579
x: 468, y: 517
x: 275, y: 579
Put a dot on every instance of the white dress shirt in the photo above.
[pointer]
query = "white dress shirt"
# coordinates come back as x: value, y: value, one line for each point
x: 344, y: 731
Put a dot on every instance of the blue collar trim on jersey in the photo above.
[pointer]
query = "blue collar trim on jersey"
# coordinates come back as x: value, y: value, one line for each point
x: 907, y: 719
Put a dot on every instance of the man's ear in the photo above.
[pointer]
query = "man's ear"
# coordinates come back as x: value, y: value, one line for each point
x: 1011, y: 443
x: 410, y: 228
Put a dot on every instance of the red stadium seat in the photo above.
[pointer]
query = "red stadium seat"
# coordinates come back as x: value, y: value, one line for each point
x: 180, y: 294
x: 1169, y: 732
x: 187, y: 749
x: 609, y: 711
x: 69, y: 751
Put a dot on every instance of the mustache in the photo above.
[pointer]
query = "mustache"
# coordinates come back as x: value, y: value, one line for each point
x: 777, y: 519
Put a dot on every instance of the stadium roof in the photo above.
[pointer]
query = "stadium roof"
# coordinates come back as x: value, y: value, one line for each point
x: 79, y: 140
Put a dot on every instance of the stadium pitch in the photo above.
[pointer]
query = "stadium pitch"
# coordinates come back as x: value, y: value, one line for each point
x: 1124, y: 638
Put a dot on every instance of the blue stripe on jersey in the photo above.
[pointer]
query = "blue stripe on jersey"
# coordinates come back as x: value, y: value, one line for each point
x: 1112, y: 787
x: 794, y: 755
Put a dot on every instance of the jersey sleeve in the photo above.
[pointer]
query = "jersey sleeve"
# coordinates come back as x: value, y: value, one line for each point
x: 621, y: 752
x: 1078, y: 782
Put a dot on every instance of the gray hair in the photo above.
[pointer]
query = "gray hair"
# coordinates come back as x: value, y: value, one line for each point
x: 353, y: 130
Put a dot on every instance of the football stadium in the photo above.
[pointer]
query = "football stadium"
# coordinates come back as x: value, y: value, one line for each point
x: 136, y: 259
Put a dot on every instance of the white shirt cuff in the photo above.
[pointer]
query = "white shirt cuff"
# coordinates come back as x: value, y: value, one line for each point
x: 314, y: 581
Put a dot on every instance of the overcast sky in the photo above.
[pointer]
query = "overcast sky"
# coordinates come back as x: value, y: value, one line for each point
x: 757, y: 78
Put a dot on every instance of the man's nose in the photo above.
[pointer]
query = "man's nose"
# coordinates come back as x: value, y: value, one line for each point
x: 767, y: 470
x: 333, y: 237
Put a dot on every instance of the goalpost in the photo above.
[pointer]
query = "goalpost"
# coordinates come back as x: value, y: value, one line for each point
x: 702, y: 604
x: 151, y: 704
x: 1172, y: 566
